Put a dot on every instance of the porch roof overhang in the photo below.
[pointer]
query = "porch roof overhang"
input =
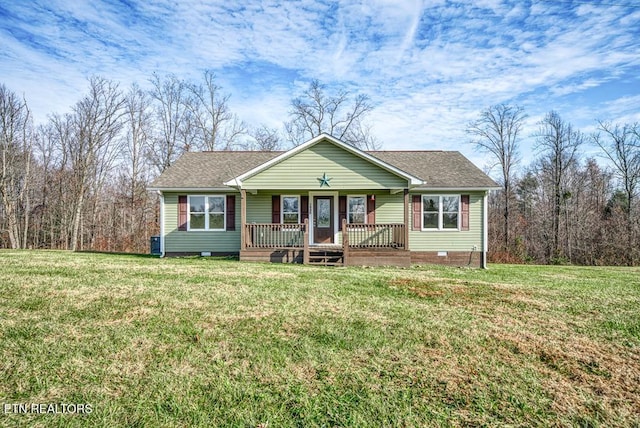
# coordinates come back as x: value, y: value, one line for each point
x: 412, y: 181
x: 454, y: 189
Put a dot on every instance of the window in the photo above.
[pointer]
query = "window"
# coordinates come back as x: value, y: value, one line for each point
x: 440, y: 212
x: 216, y: 212
x: 356, y: 209
x: 207, y: 212
x: 290, y: 209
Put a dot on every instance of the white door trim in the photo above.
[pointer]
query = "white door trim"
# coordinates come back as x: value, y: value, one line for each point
x: 335, y: 214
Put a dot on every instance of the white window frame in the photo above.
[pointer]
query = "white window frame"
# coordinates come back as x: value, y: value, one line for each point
x: 364, y: 197
x: 207, y: 212
x: 282, y: 208
x: 440, y: 213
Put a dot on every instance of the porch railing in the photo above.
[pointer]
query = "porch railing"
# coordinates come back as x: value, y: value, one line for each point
x: 270, y: 235
x: 385, y: 235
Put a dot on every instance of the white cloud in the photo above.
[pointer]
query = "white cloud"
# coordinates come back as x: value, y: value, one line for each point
x: 429, y: 66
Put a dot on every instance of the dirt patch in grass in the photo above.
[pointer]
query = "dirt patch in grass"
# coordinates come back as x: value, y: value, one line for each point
x: 576, y: 370
x: 482, y: 295
x: 591, y: 380
x: 433, y: 287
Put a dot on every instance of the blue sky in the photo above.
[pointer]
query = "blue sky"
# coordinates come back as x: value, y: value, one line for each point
x: 428, y: 66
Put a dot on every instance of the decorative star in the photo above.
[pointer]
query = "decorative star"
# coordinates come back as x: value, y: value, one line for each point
x: 324, y: 180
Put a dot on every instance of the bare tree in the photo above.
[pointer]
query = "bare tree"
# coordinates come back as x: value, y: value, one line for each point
x: 138, y: 133
x: 315, y: 112
x: 46, y: 152
x: 217, y: 128
x: 65, y: 184
x: 232, y: 132
x: 528, y: 194
x: 264, y: 139
x: 169, y: 96
x: 592, y: 234
x: 15, y: 151
x: 93, y: 147
x: 496, y: 132
x: 558, y: 144
x: 137, y: 107
x: 621, y: 145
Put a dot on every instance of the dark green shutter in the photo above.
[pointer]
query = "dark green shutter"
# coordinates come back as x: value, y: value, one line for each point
x: 231, y: 212
x: 371, y: 209
x: 275, y: 209
x: 416, y: 206
x: 342, y: 209
x: 464, y: 211
x: 304, y: 208
x: 182, y: 212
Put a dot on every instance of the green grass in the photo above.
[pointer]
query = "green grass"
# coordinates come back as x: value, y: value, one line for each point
x: 205, y: 342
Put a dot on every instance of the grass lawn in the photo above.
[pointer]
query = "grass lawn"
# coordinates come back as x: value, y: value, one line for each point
x: 205, y: 342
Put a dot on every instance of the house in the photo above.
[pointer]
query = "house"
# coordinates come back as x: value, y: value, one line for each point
x: 326, y: 202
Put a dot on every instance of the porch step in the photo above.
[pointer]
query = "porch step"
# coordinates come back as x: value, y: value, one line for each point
x: 326, y: 257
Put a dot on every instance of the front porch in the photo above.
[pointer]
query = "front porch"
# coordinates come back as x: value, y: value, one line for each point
x: 360, y: 244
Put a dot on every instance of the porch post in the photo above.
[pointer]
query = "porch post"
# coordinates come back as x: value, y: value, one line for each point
x: 305, y: 243
x: 345, y: 243
x: 406, y: 219
x: 243, y: 219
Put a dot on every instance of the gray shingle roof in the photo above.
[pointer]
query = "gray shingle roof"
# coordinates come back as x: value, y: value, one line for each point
x: 209, y: 169
x: 439, y: 169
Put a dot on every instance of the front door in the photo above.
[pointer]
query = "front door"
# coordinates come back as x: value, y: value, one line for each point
x: 323, y: 219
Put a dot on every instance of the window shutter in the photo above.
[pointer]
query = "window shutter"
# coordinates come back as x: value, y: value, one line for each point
x: 275, y: 209
x: 371, y: 209
x: 464, y: 210
x: 342, y: 209
x: 182, y: 212
x: 231, y: 212
x: 417, y: 212
x: 304, y: 208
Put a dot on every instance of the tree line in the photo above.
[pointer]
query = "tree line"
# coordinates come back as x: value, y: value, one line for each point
x: 78, y: 181
x: 563, y: 207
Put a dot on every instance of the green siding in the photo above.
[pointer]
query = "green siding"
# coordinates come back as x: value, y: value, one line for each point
x: 346, y: 171
x: 197, y: 241
x: 450, y: 240
x: 389, y: 209
x: 259, y: 205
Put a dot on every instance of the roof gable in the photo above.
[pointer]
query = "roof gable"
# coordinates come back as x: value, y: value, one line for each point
x: 324, y: 138
x: 324, y: 166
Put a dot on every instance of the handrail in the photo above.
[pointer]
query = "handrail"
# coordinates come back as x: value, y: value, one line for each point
x: 276, y: 235
x: 382, y: 235
x: 272, y: 235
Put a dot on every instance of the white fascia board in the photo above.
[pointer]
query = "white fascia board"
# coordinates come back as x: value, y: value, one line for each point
x: 413, y: 181
x: 485, y: 232
x: 453, y: 189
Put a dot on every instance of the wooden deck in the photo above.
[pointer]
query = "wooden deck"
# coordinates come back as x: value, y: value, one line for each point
x: 330, y: 256
x: 362, y: 245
